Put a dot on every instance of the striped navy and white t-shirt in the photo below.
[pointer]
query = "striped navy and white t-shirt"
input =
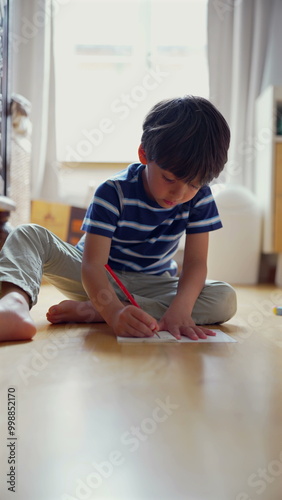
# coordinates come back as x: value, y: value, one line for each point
x: 144, y: 235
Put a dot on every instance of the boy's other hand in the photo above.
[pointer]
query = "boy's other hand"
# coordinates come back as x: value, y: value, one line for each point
x: 133, y: 322
x: 178, y: 325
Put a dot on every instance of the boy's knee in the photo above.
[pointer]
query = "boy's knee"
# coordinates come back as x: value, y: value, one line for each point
x: 227, y: 305
x: 217, y: 304
x: 28, y: 227
x: 28, y: 230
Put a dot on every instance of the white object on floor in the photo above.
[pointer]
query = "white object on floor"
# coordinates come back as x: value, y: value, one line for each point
x: 165, y: 336
x: 234, y: 250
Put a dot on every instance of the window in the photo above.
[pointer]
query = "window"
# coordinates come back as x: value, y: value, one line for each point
x: 114, y: 59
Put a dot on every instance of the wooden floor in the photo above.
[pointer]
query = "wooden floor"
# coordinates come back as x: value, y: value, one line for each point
x: 99, y: 420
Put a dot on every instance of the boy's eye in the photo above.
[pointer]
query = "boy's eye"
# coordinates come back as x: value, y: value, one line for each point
x: 167, y: 179
x: 193, y: 186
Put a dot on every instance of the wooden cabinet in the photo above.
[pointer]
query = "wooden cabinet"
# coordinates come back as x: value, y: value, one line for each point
x: 278, y: 198
x: 268, y: 166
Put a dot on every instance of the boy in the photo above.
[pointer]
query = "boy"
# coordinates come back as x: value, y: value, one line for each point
x: 134, y: 223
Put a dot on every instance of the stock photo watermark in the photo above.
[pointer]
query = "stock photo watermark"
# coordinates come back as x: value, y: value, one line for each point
x: 261, y: 311
x: 11, y: 439
x: 261, y: 479
x: 223, y: 7
x: 248, y: 149
x: 119, y: 110
x: 130, y: 441
x: 31, y: 27
x: 38, y: 361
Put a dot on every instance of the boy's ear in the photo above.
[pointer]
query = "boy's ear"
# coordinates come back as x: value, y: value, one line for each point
x: 142, y: 155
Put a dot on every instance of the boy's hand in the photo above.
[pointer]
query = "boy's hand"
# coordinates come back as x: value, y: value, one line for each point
x: 133, y: 322
x: 181, y: 324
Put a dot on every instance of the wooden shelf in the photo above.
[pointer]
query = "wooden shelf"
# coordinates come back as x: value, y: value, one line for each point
x: 278, y: 199
x: 269, y: 167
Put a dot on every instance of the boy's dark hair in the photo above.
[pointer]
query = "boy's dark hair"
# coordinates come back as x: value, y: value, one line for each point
x: 188, y: 137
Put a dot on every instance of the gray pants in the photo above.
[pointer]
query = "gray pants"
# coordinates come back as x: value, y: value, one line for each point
x: 31, y: 251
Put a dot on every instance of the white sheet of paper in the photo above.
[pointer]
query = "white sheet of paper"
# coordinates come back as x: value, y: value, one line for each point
x: 165, y: 336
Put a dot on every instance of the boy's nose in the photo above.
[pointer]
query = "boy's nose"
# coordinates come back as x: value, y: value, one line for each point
x: 177, y: 191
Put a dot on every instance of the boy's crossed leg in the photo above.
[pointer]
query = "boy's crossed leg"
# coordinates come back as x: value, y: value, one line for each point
x: 73, y: 311
x: 15, y: 320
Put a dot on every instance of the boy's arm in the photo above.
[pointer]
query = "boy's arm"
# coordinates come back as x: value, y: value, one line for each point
x: 177, y: 318
x: 126, y: 320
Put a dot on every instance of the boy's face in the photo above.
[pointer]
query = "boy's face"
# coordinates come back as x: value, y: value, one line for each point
x: 166, y: 189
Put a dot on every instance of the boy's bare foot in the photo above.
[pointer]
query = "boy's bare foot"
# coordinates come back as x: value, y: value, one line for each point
x: 15, y: 320
x: 72, y: 311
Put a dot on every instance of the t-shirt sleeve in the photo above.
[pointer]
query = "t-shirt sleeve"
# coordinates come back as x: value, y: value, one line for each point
x: 104, y: 211
x: 203, y: 215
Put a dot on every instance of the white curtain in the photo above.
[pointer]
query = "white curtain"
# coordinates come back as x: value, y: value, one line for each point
x: 244, y: 45
x: 33, y: 77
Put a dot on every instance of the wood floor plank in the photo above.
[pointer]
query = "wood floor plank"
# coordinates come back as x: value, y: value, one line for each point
x: 100, y: 420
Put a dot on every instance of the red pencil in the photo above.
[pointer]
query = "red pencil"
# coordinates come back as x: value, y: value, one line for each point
x: 122, y: 287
